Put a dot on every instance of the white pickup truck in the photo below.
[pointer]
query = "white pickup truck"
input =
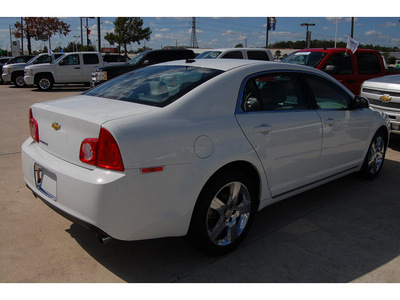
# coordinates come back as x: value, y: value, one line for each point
x: 15, y: 72
x: 74, y: 67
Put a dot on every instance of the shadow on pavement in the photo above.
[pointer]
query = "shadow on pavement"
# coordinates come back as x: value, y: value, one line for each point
x: 335, y: 233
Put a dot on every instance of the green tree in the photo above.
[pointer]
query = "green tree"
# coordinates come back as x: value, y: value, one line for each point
x: 128, y: 30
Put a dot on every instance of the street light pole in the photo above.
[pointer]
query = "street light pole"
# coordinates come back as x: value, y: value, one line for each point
x: 308, y: 33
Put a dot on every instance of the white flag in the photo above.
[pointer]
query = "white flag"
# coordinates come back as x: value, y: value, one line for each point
x: 352, y: 44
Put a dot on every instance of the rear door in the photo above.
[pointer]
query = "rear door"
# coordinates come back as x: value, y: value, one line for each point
x: 276, y: 118
x: 90, y: 61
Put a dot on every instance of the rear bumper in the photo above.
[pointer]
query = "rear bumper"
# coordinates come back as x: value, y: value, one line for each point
x: 124, y: 206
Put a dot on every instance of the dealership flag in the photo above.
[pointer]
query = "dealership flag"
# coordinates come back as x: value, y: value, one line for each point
x: 352, y: 44
x: 271, y: 23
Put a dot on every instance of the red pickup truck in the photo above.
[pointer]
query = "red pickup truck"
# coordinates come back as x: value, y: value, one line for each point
x: 351, y: 69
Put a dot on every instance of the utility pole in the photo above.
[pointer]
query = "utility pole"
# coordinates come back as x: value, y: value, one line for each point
x: 352, y: 27
x: 193, y: 38
x: 98, y: 34
x: 22, y: 35
x: 308, y: 34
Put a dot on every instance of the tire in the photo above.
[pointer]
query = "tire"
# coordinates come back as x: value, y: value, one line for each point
x: 375, y: 156
x: 223, y: 213
x: 45, y: 83
x: 19, y: 81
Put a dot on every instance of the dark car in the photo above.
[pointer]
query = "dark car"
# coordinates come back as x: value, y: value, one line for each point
x: 144, y: 59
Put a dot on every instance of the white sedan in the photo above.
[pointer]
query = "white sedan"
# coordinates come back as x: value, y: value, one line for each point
x: 196, y: 148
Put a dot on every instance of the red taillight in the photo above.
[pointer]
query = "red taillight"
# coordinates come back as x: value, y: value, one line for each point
x: 34, y: 127
x: 102, y: 152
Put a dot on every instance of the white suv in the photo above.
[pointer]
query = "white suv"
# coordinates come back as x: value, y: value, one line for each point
x: 238, y: 53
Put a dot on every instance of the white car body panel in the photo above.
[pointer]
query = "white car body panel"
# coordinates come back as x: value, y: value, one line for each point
x: 191, y: 138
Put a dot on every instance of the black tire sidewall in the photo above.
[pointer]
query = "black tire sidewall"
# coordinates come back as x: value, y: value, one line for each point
x: 365, y: 172
x: 198, y: 235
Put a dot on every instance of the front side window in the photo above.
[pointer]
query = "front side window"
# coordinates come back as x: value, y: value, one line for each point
x: 339, y: 64
x: 69, y: 60
x: 328, y: 95
x: 156, y: 85
x: 43, y: 59
x: 273, y: 92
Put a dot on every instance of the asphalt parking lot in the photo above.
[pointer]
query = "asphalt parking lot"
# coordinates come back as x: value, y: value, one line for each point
x: 344, y: 231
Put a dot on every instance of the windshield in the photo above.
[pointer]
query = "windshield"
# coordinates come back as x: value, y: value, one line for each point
x: 54, y: 62
x: 156, y: 85
x: 311, y: 59
x: 137, y: 58
x: 209, y: 54
x: 33, y: 59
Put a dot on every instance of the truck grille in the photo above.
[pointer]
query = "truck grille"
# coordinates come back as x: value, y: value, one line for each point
x: 384, y: 104
x: 378, y: 92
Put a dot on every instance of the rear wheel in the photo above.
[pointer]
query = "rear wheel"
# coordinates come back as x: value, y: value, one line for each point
x: 223, y: 213
x: 45, y: 83
x: 375, y: 157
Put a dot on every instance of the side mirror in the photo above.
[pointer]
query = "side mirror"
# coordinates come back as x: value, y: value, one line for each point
x: 331, y: 69
x: 146, y: 62
x: 360, y: 102
x: 62, y: 62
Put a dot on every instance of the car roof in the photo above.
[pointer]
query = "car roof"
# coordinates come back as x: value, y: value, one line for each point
x: 329, y: 50
x: 229, y: 64
x: 236, y: 49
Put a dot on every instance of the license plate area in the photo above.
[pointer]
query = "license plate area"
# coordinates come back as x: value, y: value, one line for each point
x: 46, y: 182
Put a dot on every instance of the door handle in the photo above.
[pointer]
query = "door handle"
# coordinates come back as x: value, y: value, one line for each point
x: 263, y: 128
x: 330, y: 122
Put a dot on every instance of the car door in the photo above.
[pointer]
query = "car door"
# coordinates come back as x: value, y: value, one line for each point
x: 345, y: 130
x: 286, y: 134
x: 340, y: 66
x: 69, y: 69
x: 90, y: 61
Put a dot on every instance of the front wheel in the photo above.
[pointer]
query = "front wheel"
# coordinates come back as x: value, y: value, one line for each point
x: 223, y: 213
x: 375, y: 156
x: 45, y: 83
x: 19, y: 81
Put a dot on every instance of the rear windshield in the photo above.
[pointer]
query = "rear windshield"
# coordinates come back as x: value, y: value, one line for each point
x: 155, y: 85
x: 311, y: 59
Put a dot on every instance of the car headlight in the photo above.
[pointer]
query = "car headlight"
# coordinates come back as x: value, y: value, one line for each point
x: 101, y: 75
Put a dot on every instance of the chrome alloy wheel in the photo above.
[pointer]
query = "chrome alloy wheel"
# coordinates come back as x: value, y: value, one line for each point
x: 228, y: 214
x: 376, y: 154
x: 19, y: 81
x: 44, y: 83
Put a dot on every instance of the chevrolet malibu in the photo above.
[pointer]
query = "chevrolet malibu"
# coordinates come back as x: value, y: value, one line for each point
x: 196, y: 148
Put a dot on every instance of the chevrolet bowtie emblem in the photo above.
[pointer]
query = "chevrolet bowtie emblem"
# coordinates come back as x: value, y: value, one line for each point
x: 385, y: 98
x: 56, y: 126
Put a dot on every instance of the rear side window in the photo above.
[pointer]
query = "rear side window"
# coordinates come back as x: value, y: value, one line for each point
x: 155, y: 85
x: 233, y: 54
x: 257, y: 55
x: 90, y: 59
x: 368, y: 63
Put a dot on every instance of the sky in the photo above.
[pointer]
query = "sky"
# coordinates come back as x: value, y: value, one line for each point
x: 221, y: 26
